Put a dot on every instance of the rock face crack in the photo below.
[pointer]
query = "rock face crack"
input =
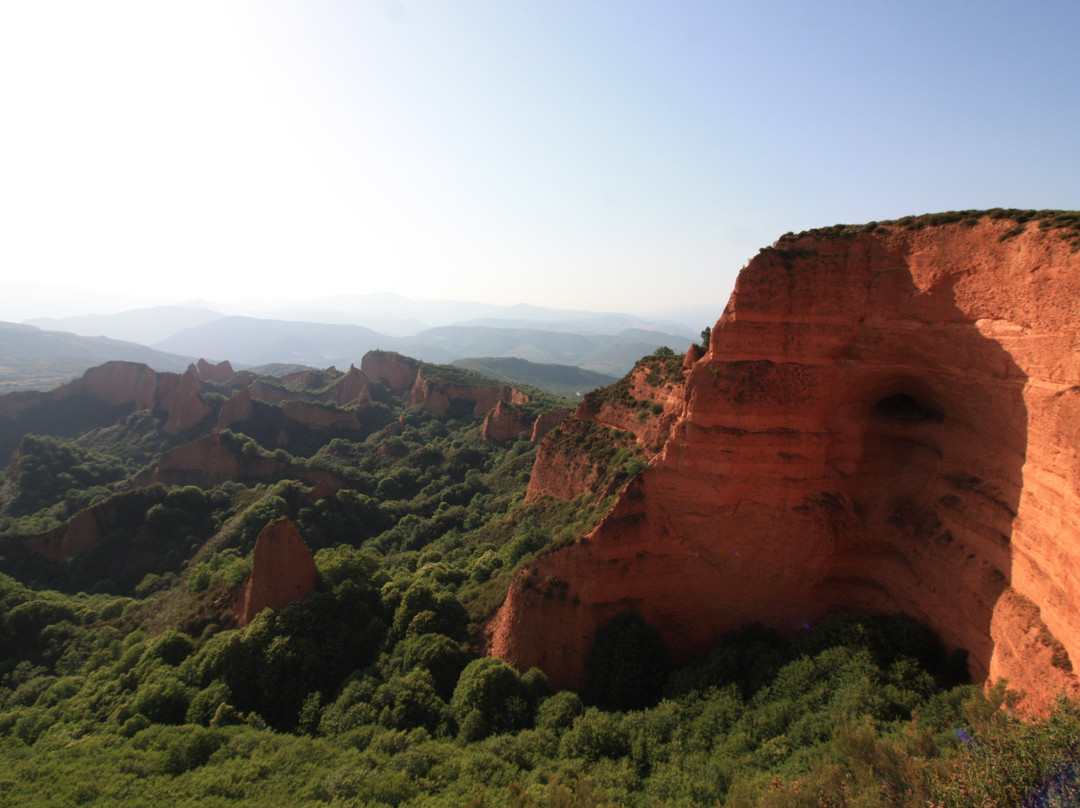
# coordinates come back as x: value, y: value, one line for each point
x: 883, y: 422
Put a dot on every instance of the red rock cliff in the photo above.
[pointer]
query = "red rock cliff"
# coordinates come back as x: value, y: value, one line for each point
x: 645, y: 404
x: 282, y: 570
x: 435, y: 395
x: 125, y: 384
x: 505, y: 422
x: 212, y: 460
x: 396, y: 371
x: 884, y: 421
x: 222, y: 372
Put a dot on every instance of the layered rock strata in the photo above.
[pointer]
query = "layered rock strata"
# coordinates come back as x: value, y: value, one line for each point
x: 886, y: 420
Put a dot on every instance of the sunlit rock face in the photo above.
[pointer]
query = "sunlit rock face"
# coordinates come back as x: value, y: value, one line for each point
x: 282, y: 570
x: 884, y: 421
x: 506, y: 422
x: 395, y: 371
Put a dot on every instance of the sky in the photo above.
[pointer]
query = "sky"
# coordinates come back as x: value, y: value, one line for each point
x: 609, y: 156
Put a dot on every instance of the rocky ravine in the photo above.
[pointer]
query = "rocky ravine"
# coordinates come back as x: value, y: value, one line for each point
x: 887, y: 420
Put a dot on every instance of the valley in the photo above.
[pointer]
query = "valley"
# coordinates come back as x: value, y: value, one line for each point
x: 825, y: 558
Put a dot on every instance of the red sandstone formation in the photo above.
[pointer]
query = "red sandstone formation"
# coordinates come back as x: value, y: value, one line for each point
x: 505, y: 422
x: 563, y: 470
x: 352, y: 388
x: 236, y: 410
x: 884, y: 421
x: 269, y: 393
x: 221, y: 373
x: 12, y: 405
x: 396, y: 371
x: 125, y: 384
x: 321, y: 490
x: 282, y: 570
x: 436, y: 396
x: 645, y: 404
x: 693, y: 354
x: 80, y: 532
x: 545, y: 422
x: 117, y: 383
x: 178, y: 396
x: 210, y: 461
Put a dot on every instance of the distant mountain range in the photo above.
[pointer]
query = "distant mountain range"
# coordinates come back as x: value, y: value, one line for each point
x: 387, y: 314
x: 43, y: 352
x: 144, y: 326
x: 251, y: 341
x: 561, y: 380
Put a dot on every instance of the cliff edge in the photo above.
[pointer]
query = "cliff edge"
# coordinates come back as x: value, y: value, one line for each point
x: 887, y: 419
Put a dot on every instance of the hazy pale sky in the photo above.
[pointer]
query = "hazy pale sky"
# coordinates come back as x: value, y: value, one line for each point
x: 601, y: 155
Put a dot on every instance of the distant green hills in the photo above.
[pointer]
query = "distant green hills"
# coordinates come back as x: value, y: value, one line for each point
x: 561, y: 380
x: 33, y: 359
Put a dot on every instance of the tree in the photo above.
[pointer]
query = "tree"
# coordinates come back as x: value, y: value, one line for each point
x: 627, y: 665
x: 706, y: 335
x: 663, y: 350
x: 490, y: 698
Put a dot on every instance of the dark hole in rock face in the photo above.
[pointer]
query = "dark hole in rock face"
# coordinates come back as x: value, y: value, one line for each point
x: 902, y: 407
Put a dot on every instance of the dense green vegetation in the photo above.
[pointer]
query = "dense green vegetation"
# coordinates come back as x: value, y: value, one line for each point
x: 124, y: 681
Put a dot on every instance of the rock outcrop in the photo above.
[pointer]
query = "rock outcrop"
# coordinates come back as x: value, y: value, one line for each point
x: 213, y: 459
x: 282, y: 570
x: 644, y: 405
x: 352, y: 388
x: 236, y: 410
x: 545, y: 422
x: 887, y: 419
x: 100, y: 396
x: 221, y: 373
x: 178, y: 396
x: 392, y: 369
x: 79, y: 533
x: 436, y: 396
x: 506, y: 422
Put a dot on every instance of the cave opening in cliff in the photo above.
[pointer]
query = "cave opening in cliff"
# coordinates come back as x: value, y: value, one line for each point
x: 903, y: 407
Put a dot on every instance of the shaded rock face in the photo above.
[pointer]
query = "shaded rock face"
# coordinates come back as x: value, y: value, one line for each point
x: 236, y: 410
x: 178, y: 396
x: 547, y: 421
x: 210, y: 461
x: 221, y: 373
x: 79, y: 533
x: 436, y: 396
x: 120, y: 383
x: 884, y: 422
x: 282, y: 570
x: 106, y: 392
x: 352, y: 388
